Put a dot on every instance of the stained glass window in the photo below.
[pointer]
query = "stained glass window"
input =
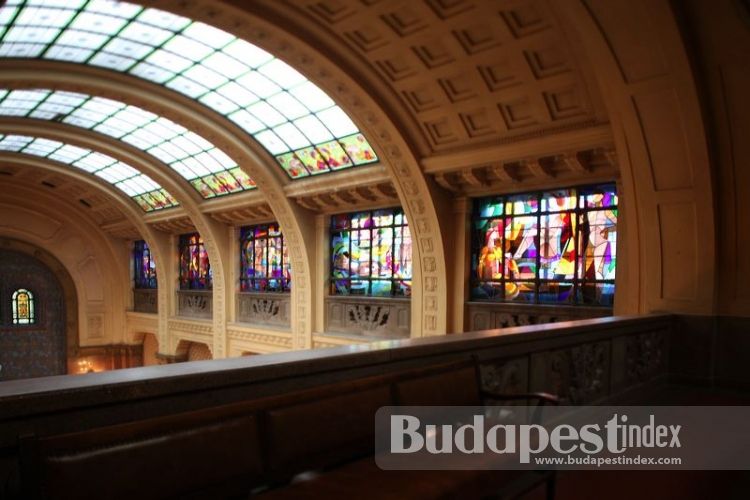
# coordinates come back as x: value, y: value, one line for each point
x: 552, y: 247
x: 298, y: 123
x: 371, y: 254
x: 208, y: 169
x: 264, y: 259
x: 144, y: 266
x: 23, y: 307
x: 141, y: 188
x: 195, y: 270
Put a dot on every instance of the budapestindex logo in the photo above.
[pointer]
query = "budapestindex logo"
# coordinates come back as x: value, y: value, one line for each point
x: 410, y: 435
x: 562, y: 437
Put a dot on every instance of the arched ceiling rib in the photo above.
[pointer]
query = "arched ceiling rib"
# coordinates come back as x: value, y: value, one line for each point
x: 293, y: 119
x: 112, y: 211
x: 140, y: 187
x: 93, y: 196
x: 210, y: 171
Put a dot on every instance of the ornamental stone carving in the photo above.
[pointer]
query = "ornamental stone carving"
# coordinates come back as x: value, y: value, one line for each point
x: 145, y: 301
x: 264, y: 309
x: 368, y: 316
x: 484, y: 315
x: 195, y: 303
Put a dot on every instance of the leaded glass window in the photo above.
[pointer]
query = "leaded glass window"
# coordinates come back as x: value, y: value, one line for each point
x: 23, y: 307
x: 551, y: 247
x: 196, y: 159
x: 264, y: 259
x: 144, y: 266
x: 292, y: 118
x: 141, y: 188
x: 371, y: 254
x: 195, y: 269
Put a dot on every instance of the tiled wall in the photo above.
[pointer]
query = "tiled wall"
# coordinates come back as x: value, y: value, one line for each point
x: 31, y: 350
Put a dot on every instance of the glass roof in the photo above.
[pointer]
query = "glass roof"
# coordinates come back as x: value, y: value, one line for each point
x: 291, y: 117
x: 210, y: 171
x: 140, y: 187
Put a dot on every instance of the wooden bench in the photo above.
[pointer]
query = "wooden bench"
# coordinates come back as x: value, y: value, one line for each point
x: 308, y: 444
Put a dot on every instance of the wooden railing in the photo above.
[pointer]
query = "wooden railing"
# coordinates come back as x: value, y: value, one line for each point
x: 587, y: 361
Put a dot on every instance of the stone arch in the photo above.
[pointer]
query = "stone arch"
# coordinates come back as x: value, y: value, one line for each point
x: 645, y: 79
x: 177, y: 186
x: 297, y: 222
x: 429, y: 299
x: 156, y: 241
x: 38, y: 217
x: 183, y: 193
x: 67, y: 287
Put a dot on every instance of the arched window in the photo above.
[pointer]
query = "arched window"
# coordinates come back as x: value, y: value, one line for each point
x: 264, y: 259
x: 371, y: 254
x: 23, y: 307
x: 195, y: 270
x: 552, y: 247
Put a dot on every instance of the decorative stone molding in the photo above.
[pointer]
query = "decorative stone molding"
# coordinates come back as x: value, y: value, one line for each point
x: 562, y: 168
x: 369, y: 316
x: 195, y: 303
x: 486, y: 315
x: 145, y: 301
x: 273, y: 309
x: 187, y: 329
x: 280, y: 339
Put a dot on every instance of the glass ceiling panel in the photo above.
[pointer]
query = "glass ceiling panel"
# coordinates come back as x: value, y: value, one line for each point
x: 291, y: 117
x: 208, y: 169
x: 140, y: 187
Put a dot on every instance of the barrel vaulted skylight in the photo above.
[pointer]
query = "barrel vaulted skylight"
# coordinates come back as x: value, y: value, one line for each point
x: 140, y: 187
x: 292, y: 118
x: 210, y: 171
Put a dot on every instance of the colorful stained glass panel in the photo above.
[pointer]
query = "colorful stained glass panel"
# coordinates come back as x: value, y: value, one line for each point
x: 554, y: 247
x: 375, y: 253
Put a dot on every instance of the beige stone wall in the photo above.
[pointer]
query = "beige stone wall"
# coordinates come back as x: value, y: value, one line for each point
x: 97, y: 263
x: 150, y: 349
x: 720, y: 33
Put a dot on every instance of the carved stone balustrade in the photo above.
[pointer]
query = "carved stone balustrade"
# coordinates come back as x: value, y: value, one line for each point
x: 195, y: 303
x: 271, y: 309
x: 145, y: 300
x: 490, y: 315
x: 369, y: 316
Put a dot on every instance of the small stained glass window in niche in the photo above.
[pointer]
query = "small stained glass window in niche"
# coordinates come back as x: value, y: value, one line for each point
x: 23, y: 307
